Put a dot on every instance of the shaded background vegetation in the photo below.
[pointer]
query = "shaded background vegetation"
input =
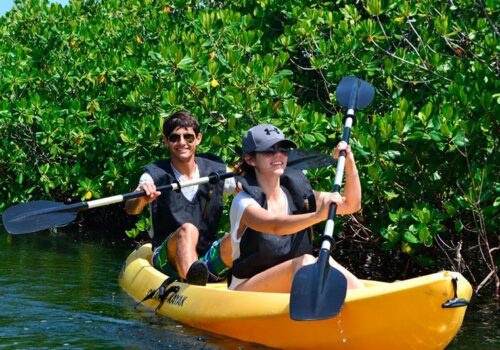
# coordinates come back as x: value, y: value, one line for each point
x: 84, y: 89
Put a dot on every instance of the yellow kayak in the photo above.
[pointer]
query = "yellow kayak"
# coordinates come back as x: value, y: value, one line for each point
x: 405, y: 314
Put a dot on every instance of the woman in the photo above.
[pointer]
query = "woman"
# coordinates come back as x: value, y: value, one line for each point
x: 270, y: 218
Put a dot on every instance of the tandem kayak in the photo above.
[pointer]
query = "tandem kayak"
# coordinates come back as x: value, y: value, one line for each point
x: 419, y: 313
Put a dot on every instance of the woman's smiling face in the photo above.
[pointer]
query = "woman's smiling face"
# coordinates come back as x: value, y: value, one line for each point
x: 271, y: 161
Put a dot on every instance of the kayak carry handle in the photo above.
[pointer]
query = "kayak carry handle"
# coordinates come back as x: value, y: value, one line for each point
x: 455, y: 302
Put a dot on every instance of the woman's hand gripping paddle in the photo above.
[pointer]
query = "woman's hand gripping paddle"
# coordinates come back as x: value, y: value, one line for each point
x: 319, y: 290
x: 41, y: 215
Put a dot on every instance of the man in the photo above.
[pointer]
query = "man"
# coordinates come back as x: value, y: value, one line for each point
x: 185, y: 223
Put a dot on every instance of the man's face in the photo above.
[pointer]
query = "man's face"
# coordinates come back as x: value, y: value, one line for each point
x: 182, y: 143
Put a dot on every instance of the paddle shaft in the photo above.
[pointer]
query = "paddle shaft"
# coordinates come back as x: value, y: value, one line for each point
x: 212, y: 178
x: 332, y: 212
x: 176, y: 186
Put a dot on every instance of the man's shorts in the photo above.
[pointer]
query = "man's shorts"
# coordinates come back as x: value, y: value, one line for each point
x: 160, y: 260
x: 217, y: 270
x: 212, y: 258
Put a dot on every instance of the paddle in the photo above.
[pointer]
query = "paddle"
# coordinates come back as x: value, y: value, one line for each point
x: 319, y: 290
x: 302, y: 159
x: 41, y: 215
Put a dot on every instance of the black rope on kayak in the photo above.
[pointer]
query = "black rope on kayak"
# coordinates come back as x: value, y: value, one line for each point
x: 160, y: 293
x: 163, y: 293
x: 455, y: 302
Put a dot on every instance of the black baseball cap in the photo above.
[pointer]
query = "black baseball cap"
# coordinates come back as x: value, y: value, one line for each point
x: 262, y: 136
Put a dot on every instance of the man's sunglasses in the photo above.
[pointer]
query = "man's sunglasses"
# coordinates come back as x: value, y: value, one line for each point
x: 188, y: 137
x: 275, y: 149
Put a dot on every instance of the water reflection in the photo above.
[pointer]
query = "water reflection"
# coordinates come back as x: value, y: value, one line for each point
x: 481, y: 327
x: 59, y: 292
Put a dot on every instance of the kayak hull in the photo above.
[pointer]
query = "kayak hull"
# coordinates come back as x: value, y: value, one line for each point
x: 399, y: 315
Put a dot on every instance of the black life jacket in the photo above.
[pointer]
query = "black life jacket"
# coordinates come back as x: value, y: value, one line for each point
x: 260, y: 251
x: 172, y: 209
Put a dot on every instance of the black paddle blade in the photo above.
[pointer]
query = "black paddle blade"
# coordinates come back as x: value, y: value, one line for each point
x: 302, y: 159
x: 36, y: 216
x: 354, y: 93
x: 318, y: 291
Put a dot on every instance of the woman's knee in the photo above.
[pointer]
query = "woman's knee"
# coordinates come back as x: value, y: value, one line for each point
x: 352, y: 281
x: 306, y: 259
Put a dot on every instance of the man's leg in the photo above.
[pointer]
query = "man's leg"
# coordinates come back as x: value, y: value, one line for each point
x: 181, y: 248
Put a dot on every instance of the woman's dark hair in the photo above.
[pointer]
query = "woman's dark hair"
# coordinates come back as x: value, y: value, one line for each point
x: 180, y: 119
x: 242, y: 168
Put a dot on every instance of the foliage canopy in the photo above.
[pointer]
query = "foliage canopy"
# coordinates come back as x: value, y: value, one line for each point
x: 84, y: 88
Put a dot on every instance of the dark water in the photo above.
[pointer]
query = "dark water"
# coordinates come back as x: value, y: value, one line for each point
x: 60, y: 292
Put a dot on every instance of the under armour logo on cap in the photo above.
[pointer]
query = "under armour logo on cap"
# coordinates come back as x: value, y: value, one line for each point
x: 263, y: 136
x: 269, y: 131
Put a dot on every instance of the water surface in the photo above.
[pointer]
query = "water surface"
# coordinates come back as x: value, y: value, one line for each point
x: 61, y: 292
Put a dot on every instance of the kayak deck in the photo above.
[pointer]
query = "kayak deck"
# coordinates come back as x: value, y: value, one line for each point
x: 404, y: 314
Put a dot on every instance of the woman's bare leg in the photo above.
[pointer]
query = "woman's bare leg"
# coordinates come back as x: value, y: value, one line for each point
x: 352, y: 281
x: 277, y: 279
